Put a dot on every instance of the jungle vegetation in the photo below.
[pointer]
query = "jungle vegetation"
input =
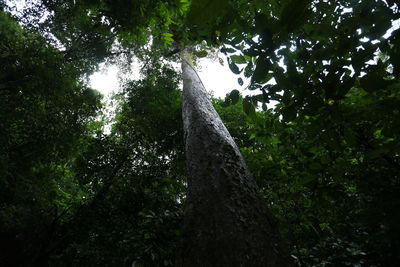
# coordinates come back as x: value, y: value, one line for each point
x: 325, y: 158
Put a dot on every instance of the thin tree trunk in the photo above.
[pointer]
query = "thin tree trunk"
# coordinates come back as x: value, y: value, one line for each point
x: 226, y: 223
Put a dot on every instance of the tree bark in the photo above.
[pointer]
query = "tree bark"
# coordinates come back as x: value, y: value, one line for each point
x: 226, y: 222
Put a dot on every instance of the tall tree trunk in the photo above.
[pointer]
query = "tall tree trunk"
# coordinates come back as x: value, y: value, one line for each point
x: 226, y: 223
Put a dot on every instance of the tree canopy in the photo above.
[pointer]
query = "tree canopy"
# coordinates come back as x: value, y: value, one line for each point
x: 326, y: 157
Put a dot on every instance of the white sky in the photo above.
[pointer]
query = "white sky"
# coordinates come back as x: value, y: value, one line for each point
x: 106, y: 80
x: 215, y: 77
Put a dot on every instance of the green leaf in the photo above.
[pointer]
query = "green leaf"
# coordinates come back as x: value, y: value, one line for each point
x: 240, y: 81
x: 238, y: 59
x: 167, y: 37
x: 227, y: 50
x: 234, y: 68
x: 248, y: 70
x: 184, y: 6
x: 273, y: 141
x: 259, y: 98
x: 201, y: 53
x: 261, y: 71
x: 234, y: 96
x: 248, y: 107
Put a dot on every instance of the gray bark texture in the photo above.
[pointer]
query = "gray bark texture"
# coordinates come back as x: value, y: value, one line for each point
x: 226, y: 222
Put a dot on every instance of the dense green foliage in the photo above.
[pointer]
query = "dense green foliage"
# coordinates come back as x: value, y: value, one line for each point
x: 46, y: 112
x: 133, y: 181
x: 326, y: 158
